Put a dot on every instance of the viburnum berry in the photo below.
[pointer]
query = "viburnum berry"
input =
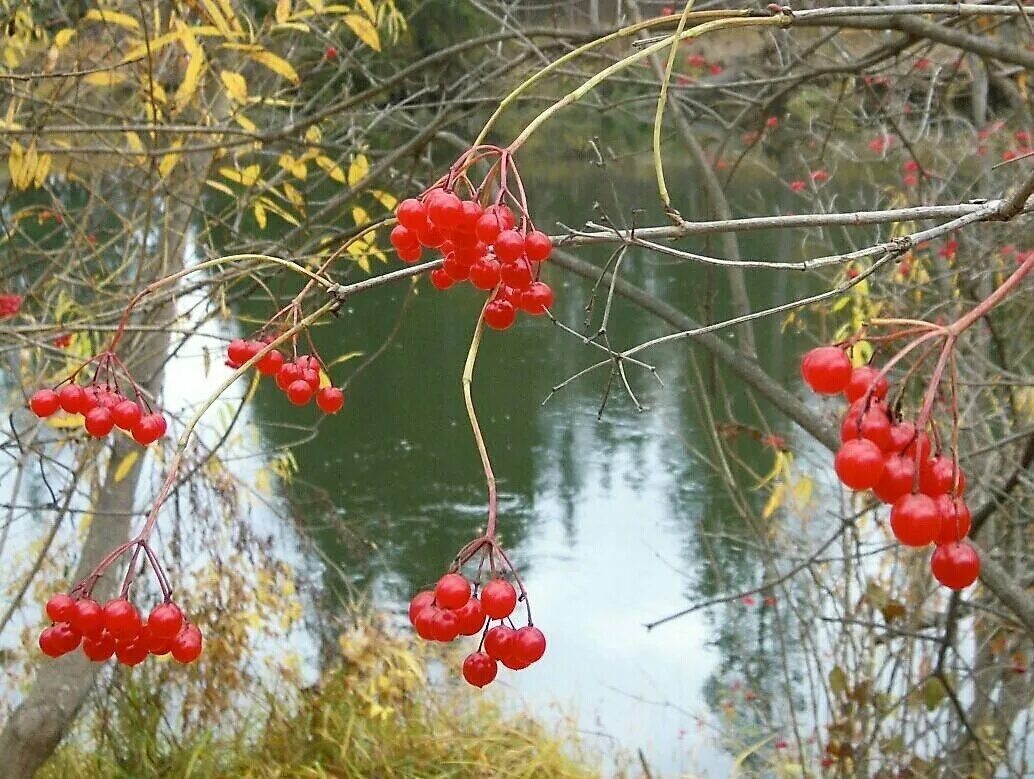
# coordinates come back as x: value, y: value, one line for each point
x: 66, y: 638
x: 99, y: 421
x: 446, y: 625
x: 484, y: 273
x: 859, y: 464
x: 132, y: 651
x: 49, y: 644
x: 537, y: 298
x: 902, y: 435
x: 956, y: 566
x: 488, y: 227
x: 270, y: 363
x: 937, y: 476
x: 238, y: 352
x: 517, y: 274
x: 471, y: 616
x: 425, y: 622
x: 87, y: 617
x: 452, y: 591
x: 537, y: 246
x: 330, y: 400
x: 445, y: 209
x: 44, y: 402
x: 121, y: 619
x: 100, y: 647
x: 186, y: 647
x: 498, y: 641
x: 440, y: 279
x: 479, y: 669
x: 874, y: 425
x: 472, y: 212
x: 498, y: 599
x: 409, y: 254
x: 500, y: 314
x: 861, y: 379
x: 457, y: 270
x: 402, y: 237
x: 299, y: 392
x: 156, y: 645
x: 920, y: 442
x: 288, y: 374
x: 71, y: 397
x: 509, y: 246
x: 127, y: 414
x: 420, y: 601
x: 955, y: 519
x: 411, y: 214
x: 430, y: 236
x: 915, y: 520
x: 149, y: 429
x: 897, y: 479
x: 529, y: 644
x: 826, y: 369
x: 165, y: 620
x: 59, y: 607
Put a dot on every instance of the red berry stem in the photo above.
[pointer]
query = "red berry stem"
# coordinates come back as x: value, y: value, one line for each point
x: 479, y: 440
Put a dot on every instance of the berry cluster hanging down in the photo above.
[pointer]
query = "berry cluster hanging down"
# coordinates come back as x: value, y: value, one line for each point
x: 494, y: 248
x: 298, y: 379
x: 900, y: 464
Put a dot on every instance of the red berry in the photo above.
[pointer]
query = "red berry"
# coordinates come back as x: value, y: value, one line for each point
x: 270, y: 363
x: 445, y: 210
x: 72, y: 397
x: 915, y: 520
x: 956, y: 566
x: 99, y: 648
x: 411, y: 214
x: 165, y: 620
x: 440, y: 279
x: 901, y: 436
x: 472, y: 617
x: 457, y: 269
x: 937, y: 476
x: 484, y: 274
x: 537, y: 246
x: 472, y: 212
x: 288, y: 374
x: 66, y: 638
x: 826, y: 369
x: 426, y: 622
x: 529, y: 644
x: 420, y: 601
x: 311, y: 377
x: 149, y: 429
x: 500, y: 314
x: 59, y: 607
x: 330, y: 400
x: 875, y: 426
x: 238, y: 352
x: 156, y: 645
x: 330, y: 53
x: 299, y: 392
x: 896, y: 480
x: 121, y: 619
x: 127, y: 414
x: 517, y: 274
x: 131, y: 652
x: 49, y: 643
x: 479, y: 669
x: 955, y: 519
x: 186, y: 647
x: 44, y: 402
x: 498, y: 641
x: 859, y: 464
x: 430, y: 236
x: 446, y: 625
x: 468, y: 255
x: 498, y: 598
x: 404, y: 238
x: 509, y: 246
x: 513, y: 660
x: 922, y: 443
x: 488, y: 227
x: 99, y: 421
x: 452, y: 591
x: 537, y: 298
x: 254, y: 347
x: 87, y: 617
x: 410, y: 254
x: 862, y: 378
x: 504, y: 214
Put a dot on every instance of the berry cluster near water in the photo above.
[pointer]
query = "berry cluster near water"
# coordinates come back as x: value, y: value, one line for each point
x: 298, y: 378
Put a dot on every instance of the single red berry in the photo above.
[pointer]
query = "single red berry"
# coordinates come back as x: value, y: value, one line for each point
x: 59, y: 607
x: 488, y: 227
x: 537, y: 246
x: 87, y: 617
x: 469, y: 254
x: 238, y: 352
x: 874, y: 425
x: 72, y: 397
x: 330, y: 53
x: 862, y: 378
x: 186, y: 647
x: 127, y: 414
x: 452, y: 591
x: 121, y: 619
x: 937, y: 476
x: 826, y: 369
x: 896, y: 480
x: 270, y: 363
x: 288, y: 374
x: 410, y: 254
x: 156, y: 645
x: 512, y: 659
x: 955, y: 519
x: 479, y: 669
x: 537, y: 298
x: 411, y: 214
x: 498, y: 598
x: 456, y: 268
x: 426, y: 622
x: 956, y: 566
x: 472, y: 617
x: 299, y: 392
x: 446, y: 211
x: 165, y: 620
x: 503, y: 213
x: 500, y: 314
x: 430, y: 236
x: 509, y: 246
x: 920, y: 442
x: 149, y: 429
x: 472, y: 212
x: 498, y: 641
x: 404, y: 238
x: 446, y: 625
x: 420, y: 601
x: 529, y: 644
x: 49, y: 643
x: 901, y: 435
x: 915, y: 520
x: 99, y: 648
x: 99, y: 421
x: 66, y: 638
x: 311, y: 377
x: 859, y: 464
x: 131, y: 652
x: 44, y: 402
x: 484, y: 273
x: 517, y: 274
x: 440, y: 279
x: 330, y: 400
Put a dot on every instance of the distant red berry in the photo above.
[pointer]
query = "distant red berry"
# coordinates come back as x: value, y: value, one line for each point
x: 479, y: 669
x: 498, y: 598
x: 330, y: 54
x: 238, y: 352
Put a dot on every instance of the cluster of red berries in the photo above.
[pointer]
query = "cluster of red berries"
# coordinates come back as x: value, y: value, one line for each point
x: 10, y: 305
x: 118, y: 629
x: 452, y: 609
x: 103, y: 409
x: 893, y: 459
x: 481, y: 245
x: 298, y: 379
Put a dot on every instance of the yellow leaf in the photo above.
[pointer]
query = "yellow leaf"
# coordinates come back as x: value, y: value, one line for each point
x: 247, y: 177
x: 235, y: 85
x: 364, y: 30
x: 260, y: 216
x: 283, y: 10
x: 294, y: 197
x: 16, y: 161
x: 108, y: 16
x: 278, y: 65
x: 861, y: 353
x: 192, y: 75
x: 221, y: 187
x: 360, y: 216
x: 127, y: 462
x: 314, y: 134
x: 105, y: 78
x: 358, y: 170
x: 217, y: 17
x: 775, y: 500
x: 331, y: 167
x: 368, y: 9
x: 134, y: 143
x: 245, y: 123
x: 276, y: 209
x: 62, y: 37
x: 169, y: 160
x: 296, y: 168
x: 386, y: 199
x: 42, y: 169
x: 64, y: 421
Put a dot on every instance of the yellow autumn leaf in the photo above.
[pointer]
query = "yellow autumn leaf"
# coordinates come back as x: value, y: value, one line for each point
x: 278, y: 65
x: 248, y: 176
x: 169, y: 160
x: 861, y: 353
x: 294, y: 197
x: 192, y: 75
x: 221, y: 187
x: 235, y: 85
x: 296, y: 168
x: 358, y: 170
x: 104, y: 78
x: 134, y: 143
x: 364, y: 30
x: 219, y: 16
x: 127, y: 462
x: 386, y: 199
x: 65, y: 421
x: 775, y: 500
x: 108, y: 16
x: 283, y: 10
x: 314, y: 134
x: 42, y: 169
x: 368, y: 9
x: 260, y: 216
x: 245, y: 123
x: 62, y: 37
x: 278, y: 210
x: 331, y: 167
x: 360, y: 216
